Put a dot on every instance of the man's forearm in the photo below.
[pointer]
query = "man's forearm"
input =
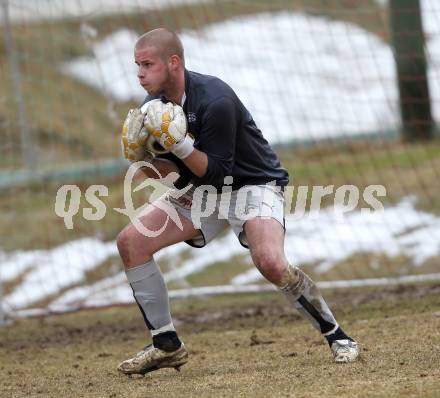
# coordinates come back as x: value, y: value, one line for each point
x: 197, y: 162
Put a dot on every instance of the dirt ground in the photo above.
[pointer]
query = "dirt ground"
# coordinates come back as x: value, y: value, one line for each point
x: 240, y: 346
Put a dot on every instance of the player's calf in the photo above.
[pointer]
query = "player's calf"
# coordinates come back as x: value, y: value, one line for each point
x: 303, y: 293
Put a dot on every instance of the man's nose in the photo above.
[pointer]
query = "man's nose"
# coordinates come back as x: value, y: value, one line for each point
x: 140, y: 72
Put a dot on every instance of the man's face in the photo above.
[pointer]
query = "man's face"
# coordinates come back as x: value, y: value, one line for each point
x: 153, y: 73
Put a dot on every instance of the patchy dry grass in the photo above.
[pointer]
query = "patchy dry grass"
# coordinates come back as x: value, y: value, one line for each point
x: 76, y: 354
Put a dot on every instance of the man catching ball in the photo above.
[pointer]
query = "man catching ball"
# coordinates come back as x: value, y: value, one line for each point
x: 203, y: 132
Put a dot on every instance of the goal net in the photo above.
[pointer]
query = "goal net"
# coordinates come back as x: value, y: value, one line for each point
x: 320, y: 80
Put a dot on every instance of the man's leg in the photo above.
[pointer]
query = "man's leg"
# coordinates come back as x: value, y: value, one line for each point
x: 150, y: 291
x: 265, y: 237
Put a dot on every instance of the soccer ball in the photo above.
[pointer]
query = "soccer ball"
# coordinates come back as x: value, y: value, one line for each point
x: 152, y: 145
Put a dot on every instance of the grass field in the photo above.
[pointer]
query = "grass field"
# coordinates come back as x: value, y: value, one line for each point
x: 240, y: 346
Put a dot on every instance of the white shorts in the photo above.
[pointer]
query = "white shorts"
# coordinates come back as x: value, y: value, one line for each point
x: 213, y: 213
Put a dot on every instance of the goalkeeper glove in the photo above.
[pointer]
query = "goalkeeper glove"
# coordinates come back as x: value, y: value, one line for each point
x: 134, y: 137
x: 166, y: 122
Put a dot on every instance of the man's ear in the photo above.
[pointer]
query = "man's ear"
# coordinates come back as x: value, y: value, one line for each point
x: 174, y: 62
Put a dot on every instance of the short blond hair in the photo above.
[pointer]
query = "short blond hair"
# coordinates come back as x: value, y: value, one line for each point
x: 165, y: 41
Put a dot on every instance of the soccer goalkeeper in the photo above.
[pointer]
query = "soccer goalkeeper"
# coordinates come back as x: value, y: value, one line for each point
x: 225, y: 148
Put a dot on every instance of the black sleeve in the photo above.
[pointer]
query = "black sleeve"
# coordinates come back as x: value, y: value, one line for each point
x: 217, y: 140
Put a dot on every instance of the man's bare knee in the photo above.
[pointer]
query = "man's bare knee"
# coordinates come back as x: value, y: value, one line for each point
x: 133, y: 247
x: 270, y: 264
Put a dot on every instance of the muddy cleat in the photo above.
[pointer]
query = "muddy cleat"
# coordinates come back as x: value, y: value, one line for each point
x: 345, y: 350
x: 152, y: 358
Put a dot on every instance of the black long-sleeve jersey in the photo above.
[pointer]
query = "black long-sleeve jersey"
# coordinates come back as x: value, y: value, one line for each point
x: 225, y: 130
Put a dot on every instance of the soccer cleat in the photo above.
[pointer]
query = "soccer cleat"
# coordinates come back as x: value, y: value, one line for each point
x: 152, y: 358
x: 345, y: 350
